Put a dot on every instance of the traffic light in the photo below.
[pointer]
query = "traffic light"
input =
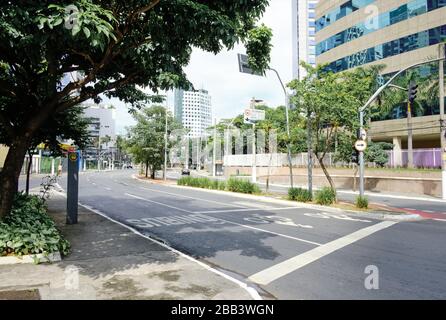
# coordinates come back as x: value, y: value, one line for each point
x: 413, y: 91
x: 355, y: 157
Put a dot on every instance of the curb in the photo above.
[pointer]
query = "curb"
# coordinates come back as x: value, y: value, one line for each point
x: 375, y: 215
x: 31, y: 259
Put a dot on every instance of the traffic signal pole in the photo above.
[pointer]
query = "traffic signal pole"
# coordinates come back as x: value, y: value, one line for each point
x: 442, y: 54
x: 373, y: 98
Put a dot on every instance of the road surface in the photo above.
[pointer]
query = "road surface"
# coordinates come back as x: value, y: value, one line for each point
x: 283, y: 251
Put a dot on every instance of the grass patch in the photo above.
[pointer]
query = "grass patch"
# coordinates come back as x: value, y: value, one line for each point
x: 326, y: 196
x: 233, y: 184
x: 299, y: 194
x: 362, y: 202
x: 29, y: 229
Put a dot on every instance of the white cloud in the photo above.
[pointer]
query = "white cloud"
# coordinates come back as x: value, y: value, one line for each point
x: 231, y: 91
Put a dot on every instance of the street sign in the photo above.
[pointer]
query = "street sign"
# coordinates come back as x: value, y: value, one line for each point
x: 244, y: 66
x: 253, y: 115
x: 362, y: 134
x: 360, y: 145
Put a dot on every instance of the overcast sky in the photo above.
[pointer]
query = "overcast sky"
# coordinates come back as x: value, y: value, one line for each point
x: 230, y: 90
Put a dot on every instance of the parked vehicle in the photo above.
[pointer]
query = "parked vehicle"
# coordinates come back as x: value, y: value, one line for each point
x: 185, y: 172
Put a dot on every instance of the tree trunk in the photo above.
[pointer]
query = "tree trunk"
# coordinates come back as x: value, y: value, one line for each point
x: 28, y: 170
x: 152, y: 172
x: 147, y: 169
x: 327, y: 175
x: 9, y: 177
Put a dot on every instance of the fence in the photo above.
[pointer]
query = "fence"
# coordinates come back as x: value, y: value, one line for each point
x: 423, y: 158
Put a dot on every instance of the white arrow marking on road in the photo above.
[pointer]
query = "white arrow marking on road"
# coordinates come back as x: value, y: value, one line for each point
x: 282, y: 269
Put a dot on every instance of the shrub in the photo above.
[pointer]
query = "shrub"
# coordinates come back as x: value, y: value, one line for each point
x: 29, y: 229
x: 242, y: 186
x: 299, y: 194
x: 326, y: 196
x: 362, y: 202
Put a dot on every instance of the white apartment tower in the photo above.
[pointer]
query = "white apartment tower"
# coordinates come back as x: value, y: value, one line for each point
x: 193, y: 109
x: 304, y: 31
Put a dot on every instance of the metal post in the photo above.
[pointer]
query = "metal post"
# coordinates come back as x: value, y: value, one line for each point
x: 287, y: 106
x: 214, y: 151
x: 52, y: 166
x: 254, y: 152
x: 442, y: 49
x: 290, y: 162
x: 310, y: 154
x: 361, y: 158
x: 409, y: 136
x: 72, y: 187
x: 165, y: 145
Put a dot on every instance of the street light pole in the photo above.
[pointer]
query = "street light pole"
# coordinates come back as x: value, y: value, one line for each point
x: 287, y: 106
x: 370, y: 101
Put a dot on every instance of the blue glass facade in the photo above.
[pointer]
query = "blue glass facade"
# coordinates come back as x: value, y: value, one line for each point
x: 341, y: 12
x: 398, y: 46
x: 404, y: 12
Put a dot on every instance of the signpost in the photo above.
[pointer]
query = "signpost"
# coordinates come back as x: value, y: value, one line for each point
x: 72, y: 187
x: 251, y: 116
x: 360, y: 145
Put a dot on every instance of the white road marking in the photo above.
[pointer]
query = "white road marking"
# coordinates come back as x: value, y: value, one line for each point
x: 253, y: 205
x: 246, y: 210
x: 277, y: 271
x: 194, y: 198
x: 107, y: 188
x: 410, y: 209
x: 159, y: 203
x: 443, y: 220
x: 227, y: 221
x: 429, y: 211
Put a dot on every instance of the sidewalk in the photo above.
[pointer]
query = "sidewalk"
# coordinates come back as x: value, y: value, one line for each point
x: 108, y: 261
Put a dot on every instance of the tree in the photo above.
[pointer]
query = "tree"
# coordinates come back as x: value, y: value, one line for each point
x: 55, y: 55
x: 376, y: 153
x: 332, y: 101
x: 146, y: 139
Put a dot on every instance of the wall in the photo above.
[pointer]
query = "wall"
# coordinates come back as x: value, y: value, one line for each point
x: 412, y: 182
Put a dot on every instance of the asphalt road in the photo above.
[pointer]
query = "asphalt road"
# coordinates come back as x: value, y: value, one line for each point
x: 284, y: 251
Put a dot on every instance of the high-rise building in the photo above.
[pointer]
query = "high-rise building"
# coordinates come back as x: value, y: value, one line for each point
x: 396, y: 34
x: 193, y: 109
x: 304, y: 31
x: 101, y: 130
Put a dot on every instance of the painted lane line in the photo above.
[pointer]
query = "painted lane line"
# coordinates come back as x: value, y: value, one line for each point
x: 107, y: 188
x: 194, y: 198
x: 158, y: 203
x: 279, y: 270
x: 246, y: 210
x: 230, y: 222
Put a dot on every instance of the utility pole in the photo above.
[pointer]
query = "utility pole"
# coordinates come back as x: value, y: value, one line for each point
x: 310, y: 153
x: 214, y: 155
x: 442, y: 54
x: 165, y: 144
x: 254, y: 155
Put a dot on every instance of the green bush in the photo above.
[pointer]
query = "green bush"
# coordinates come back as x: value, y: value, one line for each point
x: 29, y: 229
x: 299, y: 194
x: 233, y: 184
x: 242, y: 186
x: 362, y: 202
x: 326, y: 196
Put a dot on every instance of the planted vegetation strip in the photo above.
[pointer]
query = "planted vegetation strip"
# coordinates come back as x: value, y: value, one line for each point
x: 29, y: 229
x: 233, y: 184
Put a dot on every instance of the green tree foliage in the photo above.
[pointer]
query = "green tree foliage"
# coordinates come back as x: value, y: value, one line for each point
x: 376, y: 153
x: 146, y: 139
x: 55, y: 55
x: 332, y: 101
